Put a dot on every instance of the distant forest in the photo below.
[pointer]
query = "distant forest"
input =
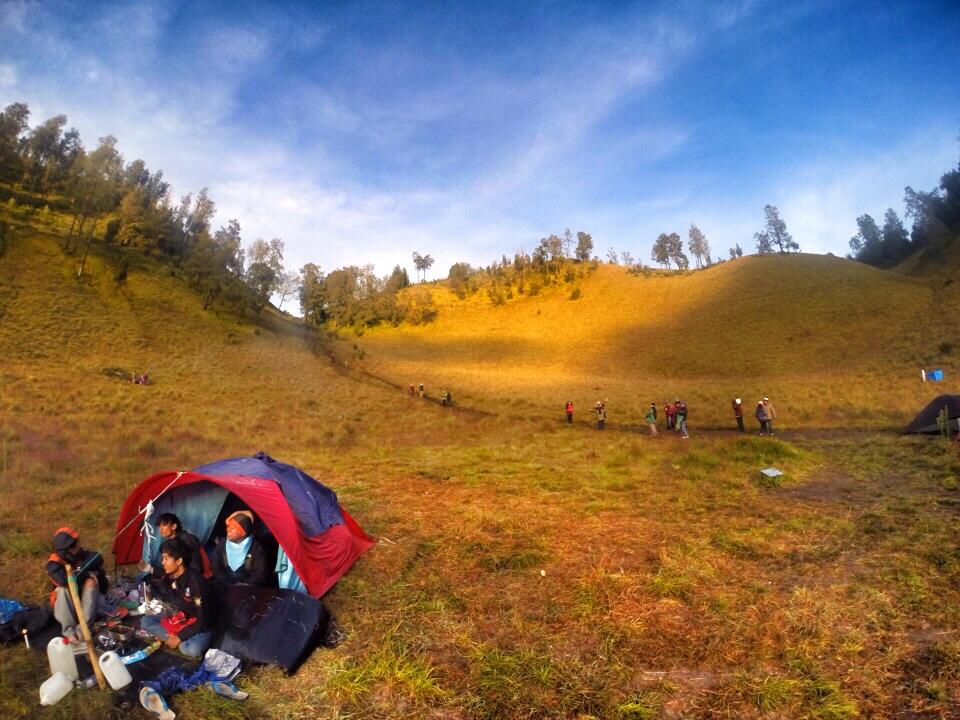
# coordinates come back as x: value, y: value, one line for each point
x: 46, y: 169
x: 936, y: 222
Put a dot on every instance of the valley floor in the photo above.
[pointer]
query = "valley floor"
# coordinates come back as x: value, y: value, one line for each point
x: 530, y: 569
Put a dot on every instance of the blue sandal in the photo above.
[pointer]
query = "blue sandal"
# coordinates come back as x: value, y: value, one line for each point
x: 154, y: 703
x: 227, y: 690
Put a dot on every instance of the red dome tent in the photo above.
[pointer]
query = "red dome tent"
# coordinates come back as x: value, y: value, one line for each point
x: 319, y: 537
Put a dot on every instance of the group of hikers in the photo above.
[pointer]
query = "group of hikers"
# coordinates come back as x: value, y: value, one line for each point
x: 765, y: 413
x: 677, y: 413
x: 445, y: 399
x: 187, y: 584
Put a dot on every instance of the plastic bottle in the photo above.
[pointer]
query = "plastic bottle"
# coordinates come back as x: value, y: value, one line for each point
x: 55, y: 688
x: 114, y: 670
x: 61, y: 659
x: 141, y: 654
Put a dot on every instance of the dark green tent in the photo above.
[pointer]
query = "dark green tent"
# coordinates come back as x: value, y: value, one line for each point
x: 926, y: 421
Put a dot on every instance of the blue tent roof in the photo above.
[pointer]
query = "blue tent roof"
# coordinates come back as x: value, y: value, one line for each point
x: 314, y: 505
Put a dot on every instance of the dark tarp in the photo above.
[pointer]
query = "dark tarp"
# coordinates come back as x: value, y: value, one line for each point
x: 926, y: 420
x: 271, y: 626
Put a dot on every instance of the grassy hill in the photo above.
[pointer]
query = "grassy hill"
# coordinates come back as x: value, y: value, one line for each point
x: 523, y: 568
x: 828, y: 339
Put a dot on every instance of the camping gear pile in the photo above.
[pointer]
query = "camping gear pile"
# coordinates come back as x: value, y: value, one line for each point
x: 317, y: 539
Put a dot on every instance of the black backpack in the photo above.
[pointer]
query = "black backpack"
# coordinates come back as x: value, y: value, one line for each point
x: 32, y: 619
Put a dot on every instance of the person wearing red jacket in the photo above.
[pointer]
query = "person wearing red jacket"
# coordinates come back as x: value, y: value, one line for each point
x: 569, y: 412
x: 670, y: 410
x: 738, y: 412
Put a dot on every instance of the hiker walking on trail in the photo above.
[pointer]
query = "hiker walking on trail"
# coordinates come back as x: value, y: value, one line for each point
x: 771, y: 414
x: 762, y: 417
x: 738, y: 413
x: 412, y: 390
x: 446, y: 399
x: 569, y: 412
x: 682, y: 419
x: 601, y: 415
x: 670, y: 410
x: 91, y: 581
x: 421, y: 390
x: 651, y: 419
x: 186, y: 623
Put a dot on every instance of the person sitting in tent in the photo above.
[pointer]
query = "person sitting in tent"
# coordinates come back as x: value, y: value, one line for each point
x: 186, y: 623
x: 240, y: 557
x: 171, y: 527
x: 91, y: 581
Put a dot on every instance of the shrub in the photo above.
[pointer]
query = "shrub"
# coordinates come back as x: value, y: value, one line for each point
x: 122, y: 271
x: 575, y: 295
x: 946, y: 348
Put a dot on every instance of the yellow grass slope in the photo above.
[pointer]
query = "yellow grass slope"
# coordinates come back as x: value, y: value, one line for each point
x: 829, y: 338
x: 74, y: 438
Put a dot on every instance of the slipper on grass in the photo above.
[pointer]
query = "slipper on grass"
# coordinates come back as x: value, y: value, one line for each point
x: 154, y: 702
x: 227, y: 690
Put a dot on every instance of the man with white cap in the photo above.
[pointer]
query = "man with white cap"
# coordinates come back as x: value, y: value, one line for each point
x: 771, y: 414
x: 738, y: 413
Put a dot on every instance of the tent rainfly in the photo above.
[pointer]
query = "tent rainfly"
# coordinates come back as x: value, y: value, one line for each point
x: 318, y: 536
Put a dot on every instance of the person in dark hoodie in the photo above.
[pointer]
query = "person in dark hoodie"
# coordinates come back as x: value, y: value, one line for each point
x: 170, y: 527
x: 186, y: 623
x: 240, y: 557
x: 91, y: 581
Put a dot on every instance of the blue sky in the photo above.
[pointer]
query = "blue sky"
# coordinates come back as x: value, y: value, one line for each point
x: 361, y: 132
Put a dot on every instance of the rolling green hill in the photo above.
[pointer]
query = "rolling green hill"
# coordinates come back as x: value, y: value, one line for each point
x: 524, y: 568
x: 830, y: 339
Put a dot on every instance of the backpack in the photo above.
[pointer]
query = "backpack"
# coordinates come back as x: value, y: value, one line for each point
x: 33, y: 619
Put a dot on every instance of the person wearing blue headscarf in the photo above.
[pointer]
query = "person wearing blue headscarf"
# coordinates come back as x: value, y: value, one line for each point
x: 240, y: 557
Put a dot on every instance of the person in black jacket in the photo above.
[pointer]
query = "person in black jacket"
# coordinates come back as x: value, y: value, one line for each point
x: 240, y: 557
x: 171, y: 527
x: 186, y: 624
x: 91, y: 581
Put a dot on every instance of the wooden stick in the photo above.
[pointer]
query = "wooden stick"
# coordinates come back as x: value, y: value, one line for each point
x: 82, y: 619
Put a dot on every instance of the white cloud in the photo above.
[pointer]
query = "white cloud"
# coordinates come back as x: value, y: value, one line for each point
x: 822, y: 204
x: 8, y: 77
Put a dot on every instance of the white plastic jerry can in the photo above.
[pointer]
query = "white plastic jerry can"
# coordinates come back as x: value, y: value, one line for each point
x: 55, y: 688
x: 61, y: 658
x: 114, y: 670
